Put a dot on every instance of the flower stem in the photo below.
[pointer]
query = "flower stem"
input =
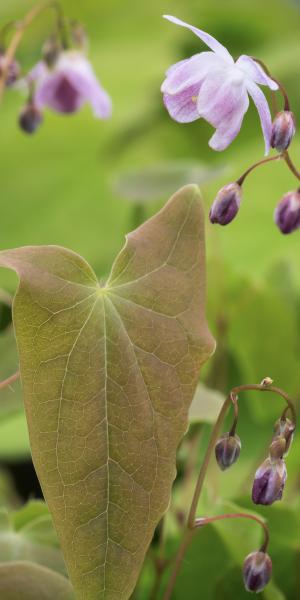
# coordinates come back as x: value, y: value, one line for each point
x: 206, y: 520
x: 280, y: 85
x: 242, y: 178
x: 290, y: 164
x: 192, y: 521
x: 9, y: 380
x: 21, y: 28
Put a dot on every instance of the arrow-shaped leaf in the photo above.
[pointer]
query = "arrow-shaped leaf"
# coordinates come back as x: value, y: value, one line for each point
x: 108, y: 375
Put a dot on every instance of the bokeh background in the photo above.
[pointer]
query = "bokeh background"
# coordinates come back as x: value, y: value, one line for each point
x: 83, y: 183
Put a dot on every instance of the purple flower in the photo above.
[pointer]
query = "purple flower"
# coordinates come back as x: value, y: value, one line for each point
x: 227, y: 450
x: 257, y: 571
x: 269, y: 481
x: 287, y: 212
x: 283, y: 130
x: 210, y: 85
x: 68, y: 85
x: 13, y: 70
x: 226, y: 204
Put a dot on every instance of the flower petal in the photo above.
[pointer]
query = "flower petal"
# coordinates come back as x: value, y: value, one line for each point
x: 220, y: 95
x: 182, y: 107
x: 210, y: 41
x: 262, y: 106
x: 190, y: 71
x: 230, y: 126
x: 255, y: 72
x: 58, y: 92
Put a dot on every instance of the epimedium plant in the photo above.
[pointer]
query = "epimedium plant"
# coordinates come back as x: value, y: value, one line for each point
x: 109, y: 370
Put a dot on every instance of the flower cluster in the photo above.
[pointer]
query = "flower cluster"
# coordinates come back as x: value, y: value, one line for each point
x: 63, y: 80
x: 212, y: 86
x: 269, y: 479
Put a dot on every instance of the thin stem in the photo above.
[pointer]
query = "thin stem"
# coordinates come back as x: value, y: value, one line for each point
x: 9, y: 380
x: 280, y: 85
x: 190, y: 530
x: 290, y: 164
x: 18, y: 35
x: 242, y: 178
x: 234, y: 400
x: 206, y: 520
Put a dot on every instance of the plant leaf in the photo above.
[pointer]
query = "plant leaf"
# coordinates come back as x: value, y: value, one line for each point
x: 108, y: 375
x: 22, y: 579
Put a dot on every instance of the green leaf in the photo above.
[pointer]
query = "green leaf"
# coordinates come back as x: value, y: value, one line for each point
x: 108, y: 375
x: 206, y: 405
x: 32, y: 582
x: 29, y: 534
x: 157, y: 181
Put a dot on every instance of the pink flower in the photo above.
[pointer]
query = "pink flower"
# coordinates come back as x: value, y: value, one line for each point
x: 210, y: 85
x: 69, y: 84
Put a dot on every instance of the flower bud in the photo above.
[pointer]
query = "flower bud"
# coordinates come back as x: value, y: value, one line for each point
x: 51, y: 51
x: 269, y: 481
x: 226, y: 204
x: 277, y: 447
x: 12, y: 71
x: 227, y: 450
x: 287, y: 212
x: 283, y: 130
x: 30, y: 118
x: 285, y: 427
x: 257, y: 571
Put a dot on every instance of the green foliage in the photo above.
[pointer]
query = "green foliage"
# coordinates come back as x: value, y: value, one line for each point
x: 28, y: 535
x: 108, y: 375
x: 32, y: 582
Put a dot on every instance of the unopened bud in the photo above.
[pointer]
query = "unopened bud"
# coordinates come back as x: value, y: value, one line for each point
x: 51, y: 51
x: 277, y: 447
x: 257, y: 571
x: 226, y: 204
x: 269, y: 481
x: 285, y: 428
x: 227, y: 450
x: 287, y: 212
x: 283, y: 130
x: 266, y: 381
x: 12, y: 70
x: 30, y: 118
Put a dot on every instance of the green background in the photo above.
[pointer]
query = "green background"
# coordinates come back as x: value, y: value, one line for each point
x: 59, y: 187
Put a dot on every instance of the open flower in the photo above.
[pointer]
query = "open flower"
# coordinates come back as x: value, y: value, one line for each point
x: 212, y: 86
x: 69, y: 84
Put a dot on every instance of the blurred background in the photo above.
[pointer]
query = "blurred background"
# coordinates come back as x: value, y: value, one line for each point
x: 83, y: 183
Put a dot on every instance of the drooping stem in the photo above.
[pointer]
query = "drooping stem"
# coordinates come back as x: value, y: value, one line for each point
x: 242, y: 178
x: 206, y: 520
x: 191, y: 522
x: 9, y: 380
x: 234, y: 400
x: 280, y: 85
x: 290, y: 164
x: 21, y: 28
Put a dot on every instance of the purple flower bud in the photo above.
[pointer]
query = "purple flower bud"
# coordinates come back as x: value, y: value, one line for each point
x: 226, y: 204
x: 30, y: 118
x: 257, y: 571
x: 269, y: 481
x: 283, y: 130
x: 227, y: 450
x: 285, y: 427
x: 12, y: 72
x: 287, y: 212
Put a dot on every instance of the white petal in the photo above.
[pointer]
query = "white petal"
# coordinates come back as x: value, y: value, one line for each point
x: 230, y: 126
x: 220, y: 95
x: 263, y: 110
x: 254, y: 71
x: 190, y: 72
x: 208, y: 39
